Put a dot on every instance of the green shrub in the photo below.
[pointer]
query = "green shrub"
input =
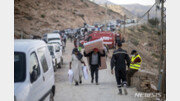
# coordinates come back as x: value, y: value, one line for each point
x: 144, y: 27
x: 134, y: 42
x: 153, y: 21
x: 155, y: 55
x: 131, y: 29
x: 28, y: 17
x: 42, y: 16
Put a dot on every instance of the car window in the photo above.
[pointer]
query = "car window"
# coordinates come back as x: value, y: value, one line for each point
x: 34, y: 63
x: 51, y: 50
x: 19, y: 67
x: 42, y: 57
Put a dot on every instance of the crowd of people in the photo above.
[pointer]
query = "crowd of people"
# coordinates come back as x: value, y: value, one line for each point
x: 120, y: 59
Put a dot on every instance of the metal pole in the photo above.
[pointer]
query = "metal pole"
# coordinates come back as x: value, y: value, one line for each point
x: 162, y: 49
x: 148, y: 17
x: 106, y: 16
x: 21, y: 35
x: 124, y: 24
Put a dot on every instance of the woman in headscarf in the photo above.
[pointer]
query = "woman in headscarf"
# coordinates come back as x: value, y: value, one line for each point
x: 76, y: 65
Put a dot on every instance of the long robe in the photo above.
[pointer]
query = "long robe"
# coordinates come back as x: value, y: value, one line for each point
x: 77, y: 68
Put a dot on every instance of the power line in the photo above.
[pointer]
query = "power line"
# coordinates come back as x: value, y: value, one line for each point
x: 147, y: 12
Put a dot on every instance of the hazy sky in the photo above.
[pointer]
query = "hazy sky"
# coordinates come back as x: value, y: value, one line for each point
x: 143, y: 2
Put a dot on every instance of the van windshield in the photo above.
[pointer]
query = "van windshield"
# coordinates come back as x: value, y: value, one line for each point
x: 19, y: 67
x: 53, y: 39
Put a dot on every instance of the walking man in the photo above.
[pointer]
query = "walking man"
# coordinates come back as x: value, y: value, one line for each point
x: 118, y: 60
x: 95, y: 63
x: 134, y: 66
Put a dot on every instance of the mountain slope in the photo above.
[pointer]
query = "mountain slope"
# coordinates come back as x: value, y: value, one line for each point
x: 36, y: 17
x: 121, y: 10
x: 102, y: 2
x: 139, y: 10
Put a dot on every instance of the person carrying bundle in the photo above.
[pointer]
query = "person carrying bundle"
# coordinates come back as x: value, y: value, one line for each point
x: 94, y: 62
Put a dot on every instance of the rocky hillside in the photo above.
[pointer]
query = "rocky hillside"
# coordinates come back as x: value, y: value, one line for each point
x: 145, y: 39
x: 139, y: 10
x: 102, y: 2
x: 35, y: 17
x: 121, y: 10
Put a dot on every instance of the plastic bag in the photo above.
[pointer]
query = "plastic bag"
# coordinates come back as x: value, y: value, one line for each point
x: 85, y: 72
x: 70, y: 75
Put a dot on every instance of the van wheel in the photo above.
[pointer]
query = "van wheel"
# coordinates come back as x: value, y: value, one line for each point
x: 51, y: 97
x: 59, y: 65
x: 55, y: 68
x: 61, y: 61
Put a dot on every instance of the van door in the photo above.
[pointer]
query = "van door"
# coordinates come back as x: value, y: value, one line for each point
x: 36, y: 86
x: 46, y: 64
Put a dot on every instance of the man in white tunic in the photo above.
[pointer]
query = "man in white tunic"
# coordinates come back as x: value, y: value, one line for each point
x: 76, y: 65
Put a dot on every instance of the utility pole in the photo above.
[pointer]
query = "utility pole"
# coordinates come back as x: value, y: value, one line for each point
x: 162, y: 65
x: 124, y: 24
x: 148, y: 17
x: 163, y: 88
x: 106, y: 16
x: 21, y: 35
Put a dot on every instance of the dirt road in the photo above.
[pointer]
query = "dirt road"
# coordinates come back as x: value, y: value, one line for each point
x: 106, y: 91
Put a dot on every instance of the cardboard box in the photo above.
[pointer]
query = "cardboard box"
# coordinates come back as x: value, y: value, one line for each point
x: 89, y: 46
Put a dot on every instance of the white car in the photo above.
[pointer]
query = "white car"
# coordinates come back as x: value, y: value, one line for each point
x: 33, y: 71
x: 56, y: 54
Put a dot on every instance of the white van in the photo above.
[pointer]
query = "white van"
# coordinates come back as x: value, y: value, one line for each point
x: 53, y: 38
x: 56, y: 54
x: 33, y: 71
x: 50, y: 37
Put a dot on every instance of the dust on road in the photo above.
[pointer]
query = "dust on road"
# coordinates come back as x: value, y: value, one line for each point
x: 106, y: 91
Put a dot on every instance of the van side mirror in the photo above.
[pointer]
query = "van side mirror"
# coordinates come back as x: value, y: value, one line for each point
x: 58, y: 49
x: 34, y: 74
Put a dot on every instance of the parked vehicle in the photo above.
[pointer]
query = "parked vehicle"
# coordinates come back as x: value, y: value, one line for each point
x: 56, y: 31
x: 107, y: 36
x: 56, y: 54
x: 53, y: 38
x: 112, y: 27
x: 33, y: 71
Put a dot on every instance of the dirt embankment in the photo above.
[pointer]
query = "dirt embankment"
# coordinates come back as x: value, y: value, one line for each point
x: 146, y: 40
x: 35, y: 17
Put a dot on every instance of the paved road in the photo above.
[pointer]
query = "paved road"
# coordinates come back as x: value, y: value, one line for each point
x: 106, y: 91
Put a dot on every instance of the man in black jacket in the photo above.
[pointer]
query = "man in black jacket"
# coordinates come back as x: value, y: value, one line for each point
x: 95, y: 63
x: 118, y: 60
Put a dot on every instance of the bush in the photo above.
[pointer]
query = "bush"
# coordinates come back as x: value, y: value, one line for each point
x: 42, y: 16
x: 131, y: 29
x: 143, y: 27
x: 135, y: 42
x: 140, y: 30
x: 153, y: 21
x: 28, y: 17
x: 155, y: 55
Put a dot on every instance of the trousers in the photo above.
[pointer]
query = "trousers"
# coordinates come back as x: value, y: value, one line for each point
x: 130, y: 73
x: 94, y: 70
x: 120, y: 75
